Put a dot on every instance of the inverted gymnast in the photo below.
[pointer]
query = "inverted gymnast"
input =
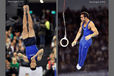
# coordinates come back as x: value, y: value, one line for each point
x: 32, y: 53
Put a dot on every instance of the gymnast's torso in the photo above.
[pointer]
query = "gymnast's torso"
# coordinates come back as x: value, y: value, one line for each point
x: 86, y: 32
x: 31, y: 48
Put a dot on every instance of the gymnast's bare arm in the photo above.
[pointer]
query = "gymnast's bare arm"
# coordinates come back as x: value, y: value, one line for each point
x: 38, y: 55
x: 94, y: 29
x: 77, y: 36
x: 24, y: 57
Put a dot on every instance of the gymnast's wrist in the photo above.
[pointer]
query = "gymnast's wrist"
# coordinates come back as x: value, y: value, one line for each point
x: 92, y: 35
x: 34, y: 56
x: 75, y: 40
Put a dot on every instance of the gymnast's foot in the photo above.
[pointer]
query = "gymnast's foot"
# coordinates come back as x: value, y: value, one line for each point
x: 27, y: 8
x: 78, y: 67
x: 24, y: 9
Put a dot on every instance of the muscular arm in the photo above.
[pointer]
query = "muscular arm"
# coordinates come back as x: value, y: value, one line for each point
x: 79, y: 32
x: 40, y: 52
x: 23, y: 56
x: 94, y: 29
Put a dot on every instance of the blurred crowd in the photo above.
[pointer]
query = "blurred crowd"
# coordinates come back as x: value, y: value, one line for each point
x: 44, y: 30
x: 97, y: 57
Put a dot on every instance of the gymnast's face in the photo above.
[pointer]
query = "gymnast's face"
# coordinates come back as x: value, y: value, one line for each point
x: 33, y: 63
x: 82, y: 18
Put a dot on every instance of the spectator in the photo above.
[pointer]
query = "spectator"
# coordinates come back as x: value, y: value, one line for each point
x: 14, y: 64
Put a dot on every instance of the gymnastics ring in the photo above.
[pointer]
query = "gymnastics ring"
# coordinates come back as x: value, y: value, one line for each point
x: 65, y: 36
x: 62, y: 41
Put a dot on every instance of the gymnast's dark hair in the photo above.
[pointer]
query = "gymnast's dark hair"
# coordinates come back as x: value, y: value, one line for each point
x: 86, y: 14
x: 33, y: 68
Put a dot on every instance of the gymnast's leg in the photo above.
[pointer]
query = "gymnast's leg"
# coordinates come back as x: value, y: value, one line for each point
x: 30, y: 22
x: 83, y: 54
x: 24, y: 32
